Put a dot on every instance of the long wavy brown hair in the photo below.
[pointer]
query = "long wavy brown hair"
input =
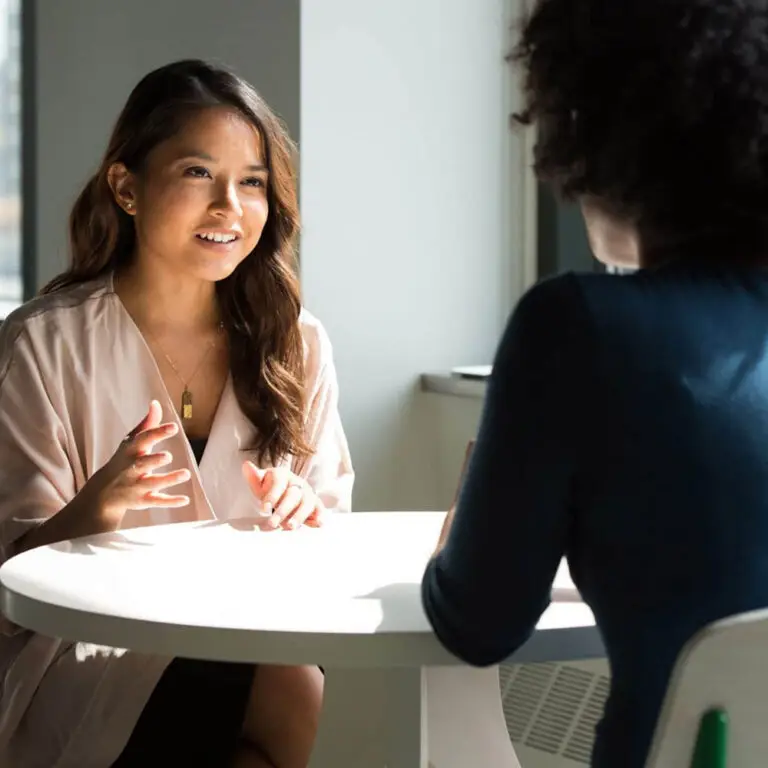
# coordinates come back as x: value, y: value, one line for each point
x: 260, y: 301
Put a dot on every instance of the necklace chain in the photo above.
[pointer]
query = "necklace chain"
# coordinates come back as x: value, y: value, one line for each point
x: 186, y: 395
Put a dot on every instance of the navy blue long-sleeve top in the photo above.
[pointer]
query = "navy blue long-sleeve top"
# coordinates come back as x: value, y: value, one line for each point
x: 626, y: 428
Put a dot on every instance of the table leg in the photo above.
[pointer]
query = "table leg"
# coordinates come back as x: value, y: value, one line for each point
x: 466, y: 720
x: 372, y: 718
x: 440, y: 717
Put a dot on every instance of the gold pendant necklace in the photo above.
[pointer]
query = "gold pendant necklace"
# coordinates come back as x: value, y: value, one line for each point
x: 186, y: 404
x: 186, y: 395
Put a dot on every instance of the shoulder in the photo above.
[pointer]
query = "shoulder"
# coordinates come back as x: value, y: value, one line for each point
x: 579, y: 291
x: 46, y: 321
x: 575, y: 305
x: 578, y: 321
x: 56, y: 308
x: 631, y: 309
x: 554, y: 294
x: 549, y: 311
x: 318, y: 351
x: 549, y: 336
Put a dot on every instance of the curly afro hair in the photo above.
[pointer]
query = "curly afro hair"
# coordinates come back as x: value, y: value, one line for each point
x: 658, y: 108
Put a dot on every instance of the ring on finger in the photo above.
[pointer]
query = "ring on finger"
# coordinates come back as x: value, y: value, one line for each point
x: 301, y: 514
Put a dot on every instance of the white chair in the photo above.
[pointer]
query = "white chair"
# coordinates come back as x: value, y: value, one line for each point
x: 716, y: 710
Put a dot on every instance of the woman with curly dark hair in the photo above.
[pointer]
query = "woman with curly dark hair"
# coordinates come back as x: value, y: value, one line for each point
x: 180, y: 311
x: 626, y: 422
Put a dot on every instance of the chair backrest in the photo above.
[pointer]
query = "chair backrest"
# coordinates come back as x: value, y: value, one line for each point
x: 721, y: 678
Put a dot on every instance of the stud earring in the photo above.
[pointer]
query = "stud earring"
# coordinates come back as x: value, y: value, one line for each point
x: 129, y: 206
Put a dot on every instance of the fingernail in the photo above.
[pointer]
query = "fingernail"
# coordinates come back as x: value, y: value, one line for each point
x: 291, y: 524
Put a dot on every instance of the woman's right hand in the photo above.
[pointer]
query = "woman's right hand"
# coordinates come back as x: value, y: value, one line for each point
x: 129, y: 480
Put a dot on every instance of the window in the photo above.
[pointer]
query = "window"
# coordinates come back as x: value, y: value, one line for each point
x: 562, y: 237
x: 11, y: 271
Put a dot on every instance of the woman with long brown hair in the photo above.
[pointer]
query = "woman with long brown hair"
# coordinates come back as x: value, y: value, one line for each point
x: 170, y: 374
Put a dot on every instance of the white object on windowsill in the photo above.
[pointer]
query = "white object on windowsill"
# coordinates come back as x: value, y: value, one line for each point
x: 446, y: 383
x: 472, y: 371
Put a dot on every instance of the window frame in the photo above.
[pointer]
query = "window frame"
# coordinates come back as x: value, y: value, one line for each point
x: 28, y: 150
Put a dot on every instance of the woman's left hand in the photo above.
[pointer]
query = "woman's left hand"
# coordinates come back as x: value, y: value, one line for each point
x: 286, y: 498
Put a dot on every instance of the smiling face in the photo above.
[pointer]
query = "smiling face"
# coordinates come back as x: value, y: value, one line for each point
x: 200, y: 200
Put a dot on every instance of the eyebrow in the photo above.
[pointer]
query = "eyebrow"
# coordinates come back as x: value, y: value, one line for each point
x: 198, y: 155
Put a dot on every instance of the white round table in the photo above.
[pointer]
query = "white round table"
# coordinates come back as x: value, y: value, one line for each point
x: 346, y: 597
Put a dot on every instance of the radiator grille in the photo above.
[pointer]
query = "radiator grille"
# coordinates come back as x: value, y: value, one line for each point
x: 553, y: 708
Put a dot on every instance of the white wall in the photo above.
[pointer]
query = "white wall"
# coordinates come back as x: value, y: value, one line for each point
x: 90, y: 54
x: 412, y: 214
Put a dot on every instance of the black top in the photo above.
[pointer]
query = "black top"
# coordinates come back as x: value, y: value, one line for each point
x: 198, y: 447
x: 625, y: 426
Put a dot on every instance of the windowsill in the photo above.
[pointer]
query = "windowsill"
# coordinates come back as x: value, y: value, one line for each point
x: 446, y: 384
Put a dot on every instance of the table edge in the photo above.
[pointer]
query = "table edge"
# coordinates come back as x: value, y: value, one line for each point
x: 381, y: 649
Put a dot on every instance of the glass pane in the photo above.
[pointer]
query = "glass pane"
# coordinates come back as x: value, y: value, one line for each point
x: 11, y: 284
x: 562, y: 237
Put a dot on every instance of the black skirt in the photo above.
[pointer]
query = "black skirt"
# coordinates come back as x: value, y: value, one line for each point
x: 193, y: 717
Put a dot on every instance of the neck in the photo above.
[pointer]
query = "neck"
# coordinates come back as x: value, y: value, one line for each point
x: 166, y: 302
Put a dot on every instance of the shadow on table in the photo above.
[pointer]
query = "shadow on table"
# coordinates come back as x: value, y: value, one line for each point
x: 238, y: 524
x: 125, y: 541
x: 92, y: 545
x: 400, y: 605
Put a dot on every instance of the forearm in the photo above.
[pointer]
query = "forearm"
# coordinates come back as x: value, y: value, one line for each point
x: 448, y: 522
x: 445, y: 531
x: 80, y: 517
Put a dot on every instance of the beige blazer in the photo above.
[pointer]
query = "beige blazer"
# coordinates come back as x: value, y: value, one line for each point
x: 75, y: 377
